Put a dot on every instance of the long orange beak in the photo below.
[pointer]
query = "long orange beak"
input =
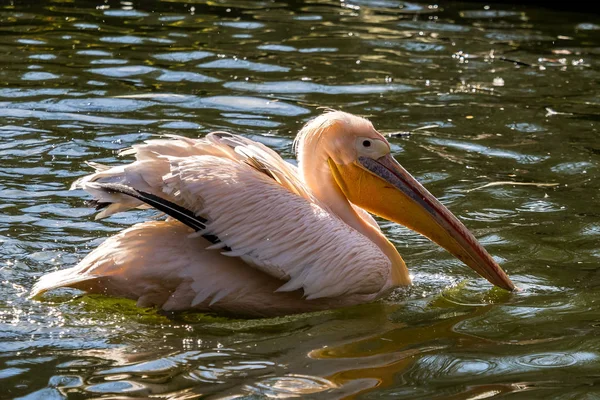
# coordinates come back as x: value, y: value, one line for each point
x: 383, y: 187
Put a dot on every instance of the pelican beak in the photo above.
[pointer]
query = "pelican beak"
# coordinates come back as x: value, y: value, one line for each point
x: 383, y: 187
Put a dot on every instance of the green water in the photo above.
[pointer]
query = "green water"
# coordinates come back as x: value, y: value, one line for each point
x: 82, y: 79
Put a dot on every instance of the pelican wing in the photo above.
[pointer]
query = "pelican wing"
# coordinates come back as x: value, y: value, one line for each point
x: 258, y: 208
x: 151, y: 165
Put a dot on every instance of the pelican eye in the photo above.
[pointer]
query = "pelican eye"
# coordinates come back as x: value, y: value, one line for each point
x: 370, y: 147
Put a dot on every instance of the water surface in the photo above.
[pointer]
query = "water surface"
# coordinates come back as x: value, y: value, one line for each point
x: 471, y: 95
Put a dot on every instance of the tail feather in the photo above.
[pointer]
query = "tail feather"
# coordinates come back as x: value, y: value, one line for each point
x: 142, y: 175
x: 69, y: 277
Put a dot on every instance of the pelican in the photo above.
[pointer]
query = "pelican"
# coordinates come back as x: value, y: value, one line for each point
x: 250, y: 234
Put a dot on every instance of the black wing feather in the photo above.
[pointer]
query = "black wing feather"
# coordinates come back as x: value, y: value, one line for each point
x: 174, y: 210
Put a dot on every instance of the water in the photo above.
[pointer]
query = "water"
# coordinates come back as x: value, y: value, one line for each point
x: 473, y: 95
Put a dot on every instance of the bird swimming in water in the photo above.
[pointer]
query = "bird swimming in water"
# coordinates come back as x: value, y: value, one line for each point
x: 250, y: 234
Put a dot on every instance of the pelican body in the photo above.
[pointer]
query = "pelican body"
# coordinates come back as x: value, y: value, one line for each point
x: 250, y: 234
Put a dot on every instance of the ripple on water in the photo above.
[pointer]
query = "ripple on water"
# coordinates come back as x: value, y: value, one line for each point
x: 477, y: 148
x: 450, y: 368
x: 124, y: 39
x: 241, y: 24
x: 171, y: 18
x: 434, y: 26
x: 319, y: 50
x: 136, y: 40
x: 181, y: 125
x: 125, y: 387
x: 123, y: 72
x: 125, y: 13
x: 587, y: 26
x: 23, y: 92
x: 236, y: 63
x: 83, y: 25
x: 209, y: 369
x: 470, y: 367
x: 216, y: 362
x: 490, y: 215
x: 155, y: 367
x: 96, y: 83
x: 11, y: 372
x: 421, y: 47
x: 42, y: 57
x: 103, y: 104
x: 184, y: 76
x: 526, y: 127
x: 38, y: 76
x: 290, y: 385
x: 490, y: 14
x: 540, y: 206
x: 30, y: 41
x: 45, y: 394
x: 276, y: 47
x: 591, y: 229
x: 246, y: 104
x: 524, y: 36
x: 398, y: 6
x: 260, y: 123
x: 308, y: 17
x: 573, y: 167
x: 64, y: 116
x: 113, y: 61
x: 301, y: 87
x: 547, y: 360
x: 65, y: 381
x: 96, y: 53
x: 183, y: 56
x: 379, y: 3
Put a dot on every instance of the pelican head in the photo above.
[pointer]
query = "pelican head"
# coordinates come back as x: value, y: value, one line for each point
x: 358, y: 159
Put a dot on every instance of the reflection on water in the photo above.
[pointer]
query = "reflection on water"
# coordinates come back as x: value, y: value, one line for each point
x: 473, y: 95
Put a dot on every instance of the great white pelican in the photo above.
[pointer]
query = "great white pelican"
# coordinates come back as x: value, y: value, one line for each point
x: 250, y: 234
